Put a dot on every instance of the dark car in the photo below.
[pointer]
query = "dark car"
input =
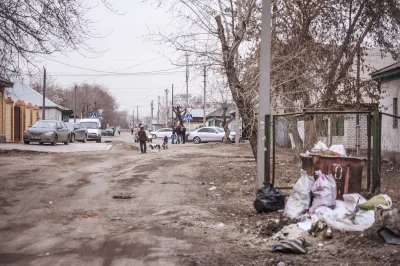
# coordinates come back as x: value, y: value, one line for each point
x: 47, y: 131
x: 78, y: 132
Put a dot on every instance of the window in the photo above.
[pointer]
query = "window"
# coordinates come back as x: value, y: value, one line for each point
x: 203, y: 130
x: 211, y: 130
x: 396, y: 113
x: 337, y: 126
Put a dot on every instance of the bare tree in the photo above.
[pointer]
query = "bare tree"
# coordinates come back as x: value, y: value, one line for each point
x: 314, y: 43
x: 40, y: 27
x: 54, y: 91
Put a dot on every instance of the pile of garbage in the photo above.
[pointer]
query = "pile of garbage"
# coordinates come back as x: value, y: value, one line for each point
x: 314, y: 207
x: 321, y: 149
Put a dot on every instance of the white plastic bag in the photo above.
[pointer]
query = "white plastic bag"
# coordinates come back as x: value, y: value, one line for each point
x: 300, y: 198
x: 323, y: 191
x: 339, y: 149
x: 320, y: 146
x: 352, y: 200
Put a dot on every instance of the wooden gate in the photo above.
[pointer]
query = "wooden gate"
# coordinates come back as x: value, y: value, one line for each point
x: 17, y: 124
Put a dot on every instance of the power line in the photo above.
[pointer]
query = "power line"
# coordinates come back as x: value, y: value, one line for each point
x: 99, y: 71
x: 151, y: 73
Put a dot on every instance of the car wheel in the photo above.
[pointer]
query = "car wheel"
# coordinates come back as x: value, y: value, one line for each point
x: 196, y: 140
x: 98, y: 140
x: 26, y: 142
x: 54, y: 143
x: 84, y: 139
x: 153, y: 136
x: 72, y: 138
x: 67, y: 142
x: 41, y: 143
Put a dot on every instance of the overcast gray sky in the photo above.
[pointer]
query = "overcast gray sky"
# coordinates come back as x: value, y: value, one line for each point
x: 125, y: 47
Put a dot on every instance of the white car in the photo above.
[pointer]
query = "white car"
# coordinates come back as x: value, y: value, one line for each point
x: 93, y: 127
x: 206, y: 134
x: 161, y: 133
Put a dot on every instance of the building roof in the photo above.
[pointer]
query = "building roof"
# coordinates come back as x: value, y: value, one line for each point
x: 218, y: 112
x: 21, y: 91
x: 197, y: 112
x: 5, y: 83
x: 388, y: 73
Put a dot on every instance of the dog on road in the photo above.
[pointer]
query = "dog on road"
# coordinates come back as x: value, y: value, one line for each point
x: 155, y: 147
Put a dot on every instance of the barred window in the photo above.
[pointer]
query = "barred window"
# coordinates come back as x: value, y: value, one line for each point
x: 337, y: 126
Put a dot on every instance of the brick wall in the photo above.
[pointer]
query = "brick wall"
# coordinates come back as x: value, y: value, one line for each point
x: 28, y: 115
x: 9, y: 132
x: 2, y: 111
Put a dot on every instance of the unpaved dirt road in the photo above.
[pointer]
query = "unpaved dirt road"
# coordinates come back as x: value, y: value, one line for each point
x: 57, y: 209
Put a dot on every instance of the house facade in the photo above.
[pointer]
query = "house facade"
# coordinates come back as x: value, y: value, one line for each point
x: 388, y: 82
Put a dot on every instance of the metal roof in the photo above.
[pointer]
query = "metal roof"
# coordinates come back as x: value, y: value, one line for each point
x: 388, y: 73
x: 5, y: 83
x: 21, y: 91
x: 197, y: 112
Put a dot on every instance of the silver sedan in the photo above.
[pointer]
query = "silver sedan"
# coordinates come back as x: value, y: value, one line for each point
x: 206, y: 134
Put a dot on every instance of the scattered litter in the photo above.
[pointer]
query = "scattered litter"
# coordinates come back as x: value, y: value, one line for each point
x: 389, y: 236
x: 85, y: 213
x: 269, y: 199
x: 171, y: 183
x: 300, y: 198
x: 291, y: 246
x: 47, y: 254
x: 117, y: 219
x: 121, y: 197
x: 211, y: 183
x: 50, y: 202
x: 291, y: 231
x: 320, y: 245
x: 212, y: 188
x: 281, y: 264
x: 160, y: 212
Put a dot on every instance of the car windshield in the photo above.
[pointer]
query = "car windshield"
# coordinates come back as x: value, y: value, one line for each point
x: 91, y: 125
x: 44, y: 124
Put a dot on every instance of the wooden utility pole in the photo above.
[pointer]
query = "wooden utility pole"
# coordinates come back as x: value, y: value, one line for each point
x: 137, y: 114
x: 152, y: 108
x: 187, y: 80
x: 172, y: 103
x: 158, y: 111
x: 75, y: 104
x: 263, y: 141
x: 204, y: 96
x: 166, y: 106
x: 44, y: 94
x: 133, y: 118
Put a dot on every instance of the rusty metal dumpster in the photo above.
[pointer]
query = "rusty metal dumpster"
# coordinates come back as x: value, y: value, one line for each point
x: 347, y: 171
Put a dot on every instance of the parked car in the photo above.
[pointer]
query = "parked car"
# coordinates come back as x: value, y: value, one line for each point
x: 93, y: 127
x: 148, y: 134
x: 161, y: 133
x: 47, y: 131
x: 110, y: 131
x: 78, y: 132
x: 206, y: 134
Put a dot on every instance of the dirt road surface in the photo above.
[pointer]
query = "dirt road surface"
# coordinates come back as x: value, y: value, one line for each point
x: 189, y: 205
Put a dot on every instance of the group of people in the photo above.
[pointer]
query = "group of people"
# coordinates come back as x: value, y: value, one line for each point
x: 178, y: 135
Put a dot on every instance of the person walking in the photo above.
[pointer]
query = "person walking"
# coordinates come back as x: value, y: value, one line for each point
x: 173, y: 136
x: 178, y: 134
x: 142, y: 139
x: 183, y: 135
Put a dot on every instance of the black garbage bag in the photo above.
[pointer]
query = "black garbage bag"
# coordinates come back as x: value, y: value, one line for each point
x: 269, y: 199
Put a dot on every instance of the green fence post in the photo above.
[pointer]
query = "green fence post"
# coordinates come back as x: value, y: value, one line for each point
x: 376, y: 179
x: 267, y: 152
